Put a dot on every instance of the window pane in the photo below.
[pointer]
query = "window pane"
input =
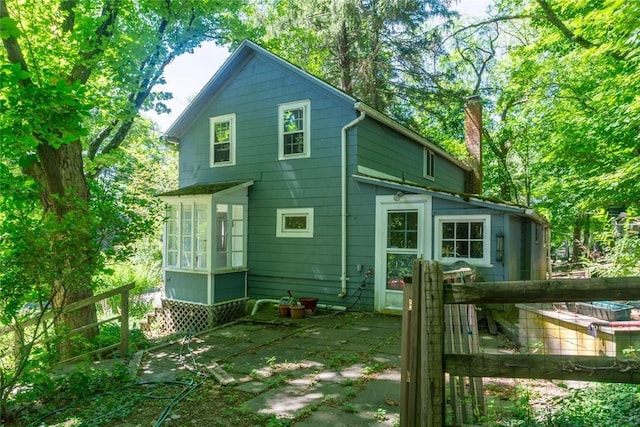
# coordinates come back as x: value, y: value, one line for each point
x: 447, y: 230
x: 222, y: 132
x: 222, y: 235
x: 186, y: 260
x: 448, y: 248
x: 462, y: 249
x: 295, y: 222
x: 477, y: 250
x: 221, y: 153
x: 173, y: 236
x: 237, y: 259
x: 293, y: 120
x: 477, y: 230
x: 238, y: 212
x: 200, y: 231
x: 294, y: 143
x: 172, y: 259
x: 462, y: 230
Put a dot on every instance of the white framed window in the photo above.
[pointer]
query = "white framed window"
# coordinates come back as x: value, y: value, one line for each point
x: 428, y: 168
x: 463, y: 238
x: 222, y: 140
x: 186, y: 236
x: 230, y: 236
x: 296, y: 222
x: 294, y: 135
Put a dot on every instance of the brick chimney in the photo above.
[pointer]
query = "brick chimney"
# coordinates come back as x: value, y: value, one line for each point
x: 473, y: 141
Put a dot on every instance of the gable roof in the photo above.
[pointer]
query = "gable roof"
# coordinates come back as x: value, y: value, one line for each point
x: 248, y: 50
x: 232, y: 65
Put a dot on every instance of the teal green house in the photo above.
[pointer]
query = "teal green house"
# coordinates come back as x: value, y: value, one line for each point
x: 289, y: 184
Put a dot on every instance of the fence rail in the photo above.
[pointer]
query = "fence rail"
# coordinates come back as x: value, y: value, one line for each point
x: 424, y: 361
x: 123, y: 317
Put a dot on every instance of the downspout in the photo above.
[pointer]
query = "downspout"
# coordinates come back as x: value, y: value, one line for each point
x: 343, y: 214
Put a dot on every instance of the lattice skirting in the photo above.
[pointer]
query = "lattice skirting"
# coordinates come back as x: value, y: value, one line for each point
x: 180, y: 316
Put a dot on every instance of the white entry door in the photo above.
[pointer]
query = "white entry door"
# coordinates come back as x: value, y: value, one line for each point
x: 403, y: 234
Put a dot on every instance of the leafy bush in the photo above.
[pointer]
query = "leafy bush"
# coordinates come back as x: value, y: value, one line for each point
x: 598, y: 405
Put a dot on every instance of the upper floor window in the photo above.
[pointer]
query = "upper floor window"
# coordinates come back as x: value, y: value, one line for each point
x: 293, y: 130
x: 429, y: 163
x: 463, y: 238
x: 223, y: 140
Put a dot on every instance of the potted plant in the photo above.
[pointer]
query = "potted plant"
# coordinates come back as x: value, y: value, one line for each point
x: 297, y: 310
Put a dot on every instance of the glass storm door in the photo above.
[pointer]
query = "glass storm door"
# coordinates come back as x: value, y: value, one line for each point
x: 401, y: 240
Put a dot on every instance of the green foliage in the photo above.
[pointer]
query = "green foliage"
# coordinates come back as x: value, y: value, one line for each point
x: 618, y: 247
x: 598, y: 405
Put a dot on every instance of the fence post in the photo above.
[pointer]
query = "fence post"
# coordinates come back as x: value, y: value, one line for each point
x: 124, y: 323
x: 422, y: 399
x: 409, y: 351
x: 432, y: 345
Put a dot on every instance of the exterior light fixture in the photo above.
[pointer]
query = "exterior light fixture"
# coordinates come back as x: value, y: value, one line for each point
x: 398, y: 196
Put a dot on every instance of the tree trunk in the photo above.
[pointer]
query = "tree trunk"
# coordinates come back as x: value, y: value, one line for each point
x: 577, y: 244
x: 65, y: 199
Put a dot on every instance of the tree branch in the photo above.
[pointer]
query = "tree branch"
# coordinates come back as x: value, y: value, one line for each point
x: 82, y: 70
x: 553, y: 19
x: 14, y: 51
x: 551, y: 16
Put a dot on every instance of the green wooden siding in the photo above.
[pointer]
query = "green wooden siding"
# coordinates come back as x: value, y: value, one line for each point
x: 229, y: 286
x: 183, y: 286
x: 278, y: 264
x: 386, y: 151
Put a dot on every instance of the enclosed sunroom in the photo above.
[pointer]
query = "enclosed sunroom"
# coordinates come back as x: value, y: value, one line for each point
x: 205, y: 245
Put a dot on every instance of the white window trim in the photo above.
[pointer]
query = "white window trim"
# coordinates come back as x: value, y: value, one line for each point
x: 193, y: 203
x: 426, y: 156
x: 280, y: 221
x: 485, y: 261
x: 306, y: 108
x: 231, y: 118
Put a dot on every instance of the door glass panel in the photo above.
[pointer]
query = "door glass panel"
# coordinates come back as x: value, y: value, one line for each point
x: 398, y: 266
x: 402, y: 242
x: 402, y: 230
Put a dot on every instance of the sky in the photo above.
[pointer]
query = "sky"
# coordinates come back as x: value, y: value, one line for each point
x: 188, y: 73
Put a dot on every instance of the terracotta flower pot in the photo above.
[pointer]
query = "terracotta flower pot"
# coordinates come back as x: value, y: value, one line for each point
x: 309, y: 304
x: 284, y: 310
x: 297, y: 311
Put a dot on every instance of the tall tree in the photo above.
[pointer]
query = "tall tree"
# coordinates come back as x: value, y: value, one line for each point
x: 75, y: 75
x: 355, y: 45
x: 579, y: 76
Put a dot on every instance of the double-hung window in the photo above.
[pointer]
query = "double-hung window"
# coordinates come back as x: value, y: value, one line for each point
x: 186, y: 236
x: 223, y: 140
x: 293, y: 130
x: 463, y: 238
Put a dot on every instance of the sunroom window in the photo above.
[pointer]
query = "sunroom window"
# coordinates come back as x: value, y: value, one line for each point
x: 463, y: 238
x: 230, y: 236
x: 186, y: 236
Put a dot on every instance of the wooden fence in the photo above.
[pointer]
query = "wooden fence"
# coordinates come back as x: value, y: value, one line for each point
x: 123, y: 317
x: 424, y: 361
